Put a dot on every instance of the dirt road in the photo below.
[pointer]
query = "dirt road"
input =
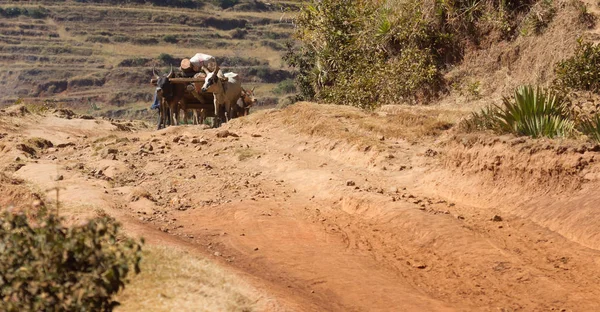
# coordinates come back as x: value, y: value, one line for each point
x: 325, y: 217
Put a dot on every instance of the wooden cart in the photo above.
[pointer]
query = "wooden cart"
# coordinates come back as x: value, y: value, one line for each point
x: 192, y: 98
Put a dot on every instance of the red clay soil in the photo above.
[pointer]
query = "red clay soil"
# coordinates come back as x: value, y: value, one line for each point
x: 323, y: 226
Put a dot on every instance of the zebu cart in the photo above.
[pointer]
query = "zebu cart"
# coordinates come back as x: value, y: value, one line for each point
x: 193, y: 98
x: 187, y: 87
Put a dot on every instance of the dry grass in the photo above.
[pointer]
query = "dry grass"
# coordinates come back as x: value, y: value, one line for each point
x: 362, y: 128
x: 39, y: 142
x: 138, y: 193
x: 245, y: 153
x: 173, y: 280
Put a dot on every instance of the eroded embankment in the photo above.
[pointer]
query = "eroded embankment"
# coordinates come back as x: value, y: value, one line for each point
x: 550, y: 182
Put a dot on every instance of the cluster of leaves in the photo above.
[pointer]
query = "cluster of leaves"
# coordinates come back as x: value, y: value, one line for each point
x: 582, y: 70
x: 170, y: 39
x: 371, y: 52
x: 39, y: 12
x: 167, y: 58
x: 285, y: 87
x: 534, y: 112
x: 45, y: 266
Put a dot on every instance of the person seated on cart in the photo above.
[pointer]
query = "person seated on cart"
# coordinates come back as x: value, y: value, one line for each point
x: 194, y: 65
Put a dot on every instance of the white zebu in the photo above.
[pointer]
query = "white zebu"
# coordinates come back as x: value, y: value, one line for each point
x: 227, y: 89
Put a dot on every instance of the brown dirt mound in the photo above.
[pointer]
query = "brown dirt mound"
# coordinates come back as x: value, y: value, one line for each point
x: 15, y: 194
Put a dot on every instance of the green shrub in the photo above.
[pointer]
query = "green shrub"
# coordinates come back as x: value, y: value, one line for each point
x: 97, y: 39
x: 239, y: 33
x: 11, y: 12
x: 45, y: 266
x: 285, y: 87
x: 582, y: 70
x: 37, y: 13
x: 366, y: 53
x: 272, y: 44
x: 224, y: 4
x: 170, y: 39
x: 166, y: 58
x: 120, y: 38
x: 302, y: 60
x: 144, y: 41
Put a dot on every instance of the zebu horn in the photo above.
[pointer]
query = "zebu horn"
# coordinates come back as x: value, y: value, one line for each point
x: 171, y: 72
x: 154, y: 72
x: 206, y: 71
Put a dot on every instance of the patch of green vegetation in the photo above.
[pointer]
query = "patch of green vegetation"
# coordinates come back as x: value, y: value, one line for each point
x: 170, y: 39
x: 482, y: 120
x: 285, y: 87
x: 134, y: 62
x: 144, y: 41
x: 238, y: 33
x: 581, y: 71
x: 166, y: 58
x: 97, y: 39
x: 534, y: 112
x: 45, y: 265
x: 224, y: 4
x: 364, y: 54
x: 273, y: 45
x: 37, y: 13
x: 120, y: 38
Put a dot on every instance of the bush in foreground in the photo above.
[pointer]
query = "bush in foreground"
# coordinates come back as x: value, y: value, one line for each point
x: 46, y: 266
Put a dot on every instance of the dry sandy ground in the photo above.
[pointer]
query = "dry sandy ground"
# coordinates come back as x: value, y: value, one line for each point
x: 331, y: 209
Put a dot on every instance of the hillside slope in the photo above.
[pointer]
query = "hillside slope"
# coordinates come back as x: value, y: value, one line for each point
x: 97, y: 58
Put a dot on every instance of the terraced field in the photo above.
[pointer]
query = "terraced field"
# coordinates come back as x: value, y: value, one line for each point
x: 97, y: 58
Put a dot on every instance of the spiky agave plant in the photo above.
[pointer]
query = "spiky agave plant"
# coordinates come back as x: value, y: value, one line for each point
x: 591, y: 127
x: 536, y: 112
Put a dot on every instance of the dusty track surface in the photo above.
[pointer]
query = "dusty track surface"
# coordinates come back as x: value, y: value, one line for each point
x: 321, y: 225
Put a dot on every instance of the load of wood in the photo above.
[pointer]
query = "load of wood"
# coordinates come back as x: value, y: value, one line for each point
x: 193, y: 66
